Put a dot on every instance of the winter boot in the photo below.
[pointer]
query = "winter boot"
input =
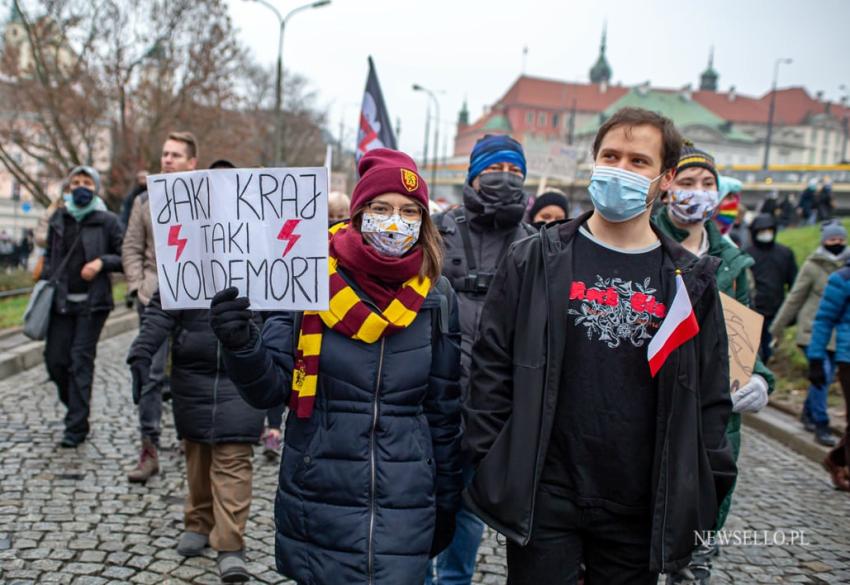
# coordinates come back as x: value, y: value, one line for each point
x: 839, y: 475
x: 148, y: 463
x: 232, y: 568
x: 823, y: 436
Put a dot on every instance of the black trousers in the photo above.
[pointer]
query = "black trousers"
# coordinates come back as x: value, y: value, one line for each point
x: 614, y: 547
x: 69, y: 356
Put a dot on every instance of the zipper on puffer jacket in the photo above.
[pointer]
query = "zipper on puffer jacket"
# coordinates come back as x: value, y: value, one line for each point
x: 372, y: 465
x: 666, y: 451
x: 215, y: 389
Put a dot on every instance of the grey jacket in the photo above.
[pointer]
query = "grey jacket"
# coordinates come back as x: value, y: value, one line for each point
x: 805, y: 295
x: 138, y: 252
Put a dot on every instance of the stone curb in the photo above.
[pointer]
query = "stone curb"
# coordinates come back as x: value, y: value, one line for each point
x: 786, y: 429
x: 30, y: 354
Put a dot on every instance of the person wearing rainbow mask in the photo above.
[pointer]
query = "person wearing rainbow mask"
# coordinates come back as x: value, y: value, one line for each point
x: 729, y: 189
x: 691, y: 217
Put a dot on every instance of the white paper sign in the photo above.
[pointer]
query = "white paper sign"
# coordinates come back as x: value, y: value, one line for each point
x: 264, y: 231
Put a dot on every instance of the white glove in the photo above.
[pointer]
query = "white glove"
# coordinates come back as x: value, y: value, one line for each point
x: 752, y: 396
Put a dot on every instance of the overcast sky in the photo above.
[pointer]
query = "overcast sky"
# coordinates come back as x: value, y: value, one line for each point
x: 474, y: 48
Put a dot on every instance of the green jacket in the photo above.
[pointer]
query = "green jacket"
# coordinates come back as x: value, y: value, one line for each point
x: 732, y: 277
x: 804, y: 297
x: 733, y: 280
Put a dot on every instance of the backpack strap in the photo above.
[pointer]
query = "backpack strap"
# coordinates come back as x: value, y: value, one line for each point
x: 478, y: 282
x: 441, y: 319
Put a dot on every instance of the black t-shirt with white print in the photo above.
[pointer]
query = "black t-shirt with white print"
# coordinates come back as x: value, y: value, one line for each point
x: 603, y: 439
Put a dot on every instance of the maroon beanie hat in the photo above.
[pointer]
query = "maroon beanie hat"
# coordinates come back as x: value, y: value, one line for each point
x: 383, y: 170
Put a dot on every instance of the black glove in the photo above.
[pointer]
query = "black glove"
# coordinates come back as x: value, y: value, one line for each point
x: 444, y: 531
x: 816, y: 374
x: 230, y: 319
x: 130, y: 299
x: 140, y: 371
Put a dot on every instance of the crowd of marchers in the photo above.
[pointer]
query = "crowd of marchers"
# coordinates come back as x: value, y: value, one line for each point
x: 562, y: 377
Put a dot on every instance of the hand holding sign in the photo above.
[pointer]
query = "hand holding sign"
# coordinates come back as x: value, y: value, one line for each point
x: 263, y: 231
x: 743, y: 328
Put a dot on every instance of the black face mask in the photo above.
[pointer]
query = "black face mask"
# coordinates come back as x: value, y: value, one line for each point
x: 82, y: 196
x: 499, y: 199
x: 835, y: 249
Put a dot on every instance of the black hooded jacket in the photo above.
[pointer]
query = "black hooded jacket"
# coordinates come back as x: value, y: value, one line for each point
x: 100, y: 237
x: 774, y: 271
x: 207, y: 406
x: 516, y: 371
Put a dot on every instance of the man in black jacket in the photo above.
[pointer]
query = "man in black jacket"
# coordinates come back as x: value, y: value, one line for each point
x: 584, y: 447
x: 476, y: 237
x: 774, y: 272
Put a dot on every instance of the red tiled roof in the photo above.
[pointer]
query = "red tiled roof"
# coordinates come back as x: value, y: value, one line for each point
x: 794, y: 105
x: 558, y: 95
x: 742, y: 109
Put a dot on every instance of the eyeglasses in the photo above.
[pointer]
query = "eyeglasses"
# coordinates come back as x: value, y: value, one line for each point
x: 407, y: 212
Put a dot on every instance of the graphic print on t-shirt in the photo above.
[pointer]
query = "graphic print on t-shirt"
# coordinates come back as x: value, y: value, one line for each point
x: 615, y: 311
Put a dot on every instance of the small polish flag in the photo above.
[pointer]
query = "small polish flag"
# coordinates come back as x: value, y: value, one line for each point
x: 678, y: 326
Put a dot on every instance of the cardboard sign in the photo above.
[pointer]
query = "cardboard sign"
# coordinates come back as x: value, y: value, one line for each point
x: 743, y: 327
x: 264, y: 231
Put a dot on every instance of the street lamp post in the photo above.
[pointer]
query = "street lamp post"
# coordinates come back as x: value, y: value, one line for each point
x: 278, y: 93
x: 427, y: 135
x: 845, y: 124
x: 417, y: 87
x: 772, y: 109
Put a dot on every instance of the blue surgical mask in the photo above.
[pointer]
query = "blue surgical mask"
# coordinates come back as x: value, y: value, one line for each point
x: 617, y: 194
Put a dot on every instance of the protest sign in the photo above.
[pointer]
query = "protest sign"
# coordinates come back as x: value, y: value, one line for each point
x: 743, y: 328
x: 264, y: 231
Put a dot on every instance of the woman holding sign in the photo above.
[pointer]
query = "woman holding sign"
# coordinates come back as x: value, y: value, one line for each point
x: 687, y: 218
x: 370, y: 477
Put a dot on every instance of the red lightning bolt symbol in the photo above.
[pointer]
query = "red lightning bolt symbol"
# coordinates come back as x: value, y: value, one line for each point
x: 286, y: 234
x: 174, y: 239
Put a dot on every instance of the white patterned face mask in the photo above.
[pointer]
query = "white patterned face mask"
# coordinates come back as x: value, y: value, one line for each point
x: 693, y: 206
x: 390, y: 236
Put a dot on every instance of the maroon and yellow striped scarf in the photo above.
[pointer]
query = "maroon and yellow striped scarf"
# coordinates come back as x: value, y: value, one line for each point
x: 350, y: 316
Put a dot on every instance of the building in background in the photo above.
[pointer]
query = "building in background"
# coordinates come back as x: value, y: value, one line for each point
x: 807, y: 130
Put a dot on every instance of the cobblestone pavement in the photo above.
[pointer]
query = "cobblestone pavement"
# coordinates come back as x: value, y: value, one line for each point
x: 71, y: 517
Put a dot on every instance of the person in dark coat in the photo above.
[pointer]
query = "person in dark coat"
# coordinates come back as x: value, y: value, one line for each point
x: 774, y: 272
x: 770, y: 205
x: 218, y: 429
x: 825, y: 204
x: 787, y: 218
x: 548, y: 207
x: 476, y: 237
x: 599, y: 392
x: 808, y: 203
x: 83, y: 248
x: 370, y: 475
x: 139, y: 187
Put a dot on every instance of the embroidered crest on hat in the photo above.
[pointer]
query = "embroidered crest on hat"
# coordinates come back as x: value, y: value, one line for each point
x: 410, y: 180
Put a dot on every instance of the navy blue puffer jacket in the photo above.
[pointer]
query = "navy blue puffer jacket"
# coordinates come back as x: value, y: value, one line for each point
x: 207, y: 406
x: 362, y: 478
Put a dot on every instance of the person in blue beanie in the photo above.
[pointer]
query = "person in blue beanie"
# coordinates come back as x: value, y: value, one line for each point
x: 476, y: 236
